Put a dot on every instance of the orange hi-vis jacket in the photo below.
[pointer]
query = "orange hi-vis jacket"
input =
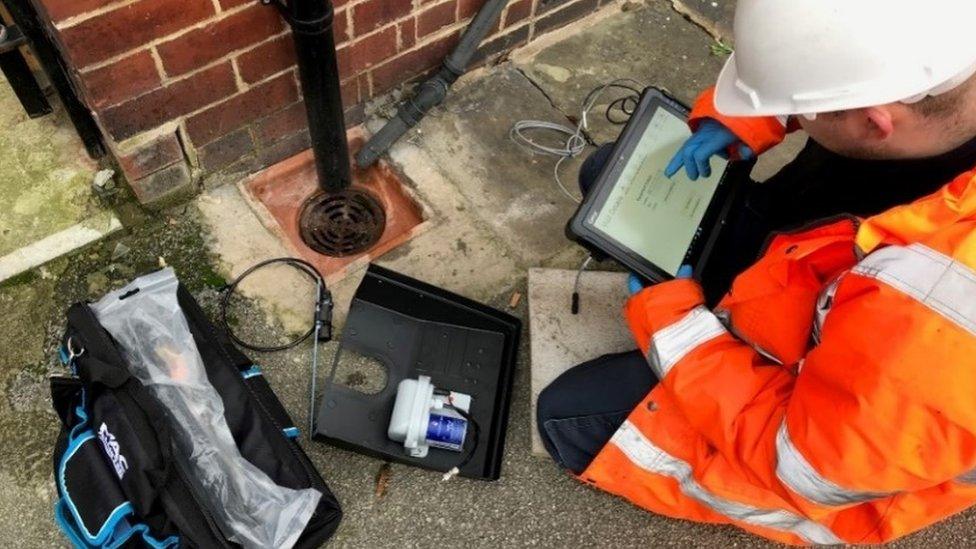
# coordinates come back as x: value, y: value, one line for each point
x: 831, y: 396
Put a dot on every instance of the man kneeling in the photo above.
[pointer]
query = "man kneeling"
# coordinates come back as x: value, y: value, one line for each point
x: 829, y: 396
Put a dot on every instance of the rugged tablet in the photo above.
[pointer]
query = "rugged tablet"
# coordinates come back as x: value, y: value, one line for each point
x: 636, y: 215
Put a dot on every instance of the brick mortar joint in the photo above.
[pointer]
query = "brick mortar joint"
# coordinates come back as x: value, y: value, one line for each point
x: 366, y: 93
x: 167, y: 81
x: 214, y: 18
x: 145, y: 136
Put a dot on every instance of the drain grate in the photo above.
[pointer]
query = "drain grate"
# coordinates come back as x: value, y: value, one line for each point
x: 341, y: 224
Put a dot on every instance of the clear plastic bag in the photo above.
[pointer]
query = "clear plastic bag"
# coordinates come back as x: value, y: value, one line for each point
x: 146, y: 321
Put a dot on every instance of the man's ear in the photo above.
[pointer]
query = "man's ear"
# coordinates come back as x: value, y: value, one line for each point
x: 880, y: 121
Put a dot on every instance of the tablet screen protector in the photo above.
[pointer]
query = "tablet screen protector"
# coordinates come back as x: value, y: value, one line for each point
x: 655, y: 216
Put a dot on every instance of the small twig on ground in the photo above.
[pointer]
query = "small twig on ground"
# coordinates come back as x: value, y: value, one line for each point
x: 382, y: 480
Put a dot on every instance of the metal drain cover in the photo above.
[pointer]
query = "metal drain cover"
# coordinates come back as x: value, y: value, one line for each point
x: 343, y: 223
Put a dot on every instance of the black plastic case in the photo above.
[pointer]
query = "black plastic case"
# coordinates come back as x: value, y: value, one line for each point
x: 414, y: 329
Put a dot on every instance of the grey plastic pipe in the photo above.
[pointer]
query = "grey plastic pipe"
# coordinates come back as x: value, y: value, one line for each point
x: 432, y: 92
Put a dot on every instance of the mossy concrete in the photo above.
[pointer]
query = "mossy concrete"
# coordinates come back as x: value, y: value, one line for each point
x: 45, y: 175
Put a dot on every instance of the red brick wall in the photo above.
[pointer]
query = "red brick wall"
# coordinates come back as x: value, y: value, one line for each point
x: 191, y: 89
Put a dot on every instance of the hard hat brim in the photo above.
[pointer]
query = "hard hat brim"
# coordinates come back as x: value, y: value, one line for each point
x: 729, y: 99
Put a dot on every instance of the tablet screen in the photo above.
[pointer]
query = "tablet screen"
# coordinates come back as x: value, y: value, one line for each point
x: 655, y: 216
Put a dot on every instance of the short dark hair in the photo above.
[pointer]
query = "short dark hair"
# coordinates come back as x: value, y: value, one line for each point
x: 946, y: 104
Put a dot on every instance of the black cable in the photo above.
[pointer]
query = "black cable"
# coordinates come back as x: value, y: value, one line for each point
x: 324, y: 297
x: 626, y: 104
x: 475, y: 435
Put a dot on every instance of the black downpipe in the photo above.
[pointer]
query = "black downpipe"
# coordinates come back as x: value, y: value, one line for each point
x: 311, y: 27
x: 432, y: 92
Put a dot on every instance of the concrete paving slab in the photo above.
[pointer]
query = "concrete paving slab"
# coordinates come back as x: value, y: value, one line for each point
x: 510, y: 189
x: 715, y: 16
x: 650, y: 43
x: 561, y: 340
x: 239, y: 240
x: 653, y: 43
x: 45, y: 175
x: 459, y: 252
x: 37, y: 253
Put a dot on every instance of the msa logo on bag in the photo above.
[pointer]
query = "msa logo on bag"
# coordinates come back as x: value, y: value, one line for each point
x: 112, y: 451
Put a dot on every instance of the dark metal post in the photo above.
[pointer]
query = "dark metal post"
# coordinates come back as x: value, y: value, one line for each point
x: 25, y: 16
x: 19, y: 74
x: 311, y: 23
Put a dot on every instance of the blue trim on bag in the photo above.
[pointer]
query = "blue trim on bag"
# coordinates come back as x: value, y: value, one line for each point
x: 116, y: 523
x: 82, y: 416
x: 64, y: 356
x: 69, y: 532
x: 254, y: 370
x: 117, y: 514
x: 291, y: 432
x: 143, y: 531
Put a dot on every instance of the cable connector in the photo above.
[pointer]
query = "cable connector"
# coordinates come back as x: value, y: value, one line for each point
x: 451, y: 474
x: 575, y: 305
x: 323, y: 314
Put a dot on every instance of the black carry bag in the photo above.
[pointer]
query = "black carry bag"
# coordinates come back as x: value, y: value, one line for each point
x: 121, y: 477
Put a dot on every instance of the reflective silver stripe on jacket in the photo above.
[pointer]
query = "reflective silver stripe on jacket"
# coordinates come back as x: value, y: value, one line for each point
x: 967, y: 478
x: 935, y: 280
x: 795, y: 471
x: 825, y: 302
x: 671, y: 344
x: 646, y: 455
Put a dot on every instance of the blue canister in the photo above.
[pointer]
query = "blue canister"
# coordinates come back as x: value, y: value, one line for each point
x: 447, y: 432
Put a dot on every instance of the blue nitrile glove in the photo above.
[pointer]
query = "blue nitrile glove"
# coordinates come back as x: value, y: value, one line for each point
x: 635, y: 284
x: 710, y: 139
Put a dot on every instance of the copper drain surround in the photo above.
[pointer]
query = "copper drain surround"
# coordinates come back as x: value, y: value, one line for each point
x: 343, y: 223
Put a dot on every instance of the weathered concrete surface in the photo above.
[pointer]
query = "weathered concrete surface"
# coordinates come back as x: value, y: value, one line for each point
x: 239, y: 240
x: 715, y: 16
x: 508, y: 188
x: 460, y: 252
x: 45, y: 175
x: 55, y: 245
x: 533, y: 504
x: 561, y: 340
x: 652, y: 44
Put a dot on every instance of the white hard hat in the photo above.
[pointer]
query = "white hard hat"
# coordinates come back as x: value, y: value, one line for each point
x: 812, y: 56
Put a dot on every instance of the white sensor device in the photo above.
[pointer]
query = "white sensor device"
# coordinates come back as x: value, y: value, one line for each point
x: 422, y: 419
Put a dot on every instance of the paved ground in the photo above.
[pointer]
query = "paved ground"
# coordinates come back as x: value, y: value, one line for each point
x: 45, y: 186
x: 559, y: 340
x: 496, y: 213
